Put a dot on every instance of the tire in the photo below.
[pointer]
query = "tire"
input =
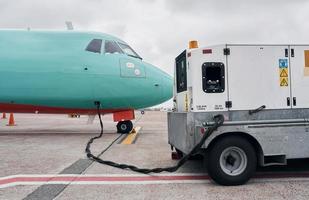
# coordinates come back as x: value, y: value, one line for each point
x: 124, y: 127
x: 232, y: 160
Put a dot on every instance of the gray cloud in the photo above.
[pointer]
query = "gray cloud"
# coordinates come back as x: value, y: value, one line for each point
x: 159, y: 30
x: 45, y: 14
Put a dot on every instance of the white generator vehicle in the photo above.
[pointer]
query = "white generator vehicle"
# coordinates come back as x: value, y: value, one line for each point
x: 263, y: 93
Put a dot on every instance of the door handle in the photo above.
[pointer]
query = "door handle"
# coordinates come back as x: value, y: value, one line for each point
x: 286, y: 52
x: 294, y: 101
x: 288, y: 101
x: 257, y: 110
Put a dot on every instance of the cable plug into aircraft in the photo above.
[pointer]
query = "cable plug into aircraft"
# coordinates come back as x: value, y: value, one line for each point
x: 67, y: 72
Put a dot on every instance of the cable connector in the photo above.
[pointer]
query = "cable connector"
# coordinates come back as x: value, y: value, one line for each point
x: 97, y: 103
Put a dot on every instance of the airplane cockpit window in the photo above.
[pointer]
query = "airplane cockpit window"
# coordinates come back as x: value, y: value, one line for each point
x: 112, y: 47
x: 128, y: 50
x: 94, y: 46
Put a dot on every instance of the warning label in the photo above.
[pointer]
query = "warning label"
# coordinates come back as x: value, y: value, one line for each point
x: 306, y: 62
x: 284, y: 72
x: 283, y: 63
x: 186, y: 102
x: 284, y: 82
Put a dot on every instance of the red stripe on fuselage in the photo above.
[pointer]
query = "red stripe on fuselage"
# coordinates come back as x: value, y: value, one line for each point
x: 24, y: 108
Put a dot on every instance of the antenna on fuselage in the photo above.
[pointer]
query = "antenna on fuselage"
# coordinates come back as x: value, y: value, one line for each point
x: 69, y: 25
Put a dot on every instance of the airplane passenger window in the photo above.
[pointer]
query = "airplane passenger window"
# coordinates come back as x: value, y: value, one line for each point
x: 112, y: 47
x: 128, y: 50
x: 94, y: 46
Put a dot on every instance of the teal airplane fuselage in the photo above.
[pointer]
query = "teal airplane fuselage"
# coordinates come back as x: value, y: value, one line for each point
x: 66, y: 72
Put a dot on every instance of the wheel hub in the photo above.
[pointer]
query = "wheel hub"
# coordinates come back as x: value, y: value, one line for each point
x: 123, y: 126
x: 233, y: 161
x: 230, y: 160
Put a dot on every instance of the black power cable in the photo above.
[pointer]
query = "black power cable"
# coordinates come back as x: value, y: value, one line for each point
x: 218, y: 121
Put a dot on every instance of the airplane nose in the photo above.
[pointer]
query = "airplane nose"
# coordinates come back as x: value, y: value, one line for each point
x: 161, y: 85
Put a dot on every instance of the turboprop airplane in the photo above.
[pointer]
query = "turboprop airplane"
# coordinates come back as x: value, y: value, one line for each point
x: 68, y: 71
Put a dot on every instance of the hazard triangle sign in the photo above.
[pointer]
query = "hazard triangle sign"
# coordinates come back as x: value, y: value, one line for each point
x: 284, y: 73
x: 284, y: 82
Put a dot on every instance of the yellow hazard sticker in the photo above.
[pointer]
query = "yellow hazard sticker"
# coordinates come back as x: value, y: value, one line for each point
x: 284, y: 81
x: 284, y: 72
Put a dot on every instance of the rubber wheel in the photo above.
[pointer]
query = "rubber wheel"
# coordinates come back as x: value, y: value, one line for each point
x: 124, y: 127
x: 231, y: 161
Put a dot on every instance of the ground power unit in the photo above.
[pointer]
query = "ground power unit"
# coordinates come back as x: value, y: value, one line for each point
x: 263, y: 93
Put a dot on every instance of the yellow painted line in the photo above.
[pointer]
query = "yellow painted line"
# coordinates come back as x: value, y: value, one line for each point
x: 131, y: 136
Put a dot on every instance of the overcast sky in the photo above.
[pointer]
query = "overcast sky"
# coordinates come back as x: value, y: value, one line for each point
x: 160, y: 29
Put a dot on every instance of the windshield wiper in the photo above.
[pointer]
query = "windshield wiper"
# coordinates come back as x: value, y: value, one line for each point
x: 135, y: 56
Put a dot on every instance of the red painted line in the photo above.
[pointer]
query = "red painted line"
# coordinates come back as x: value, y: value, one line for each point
x: 25, y: 179
x: 134, y: 178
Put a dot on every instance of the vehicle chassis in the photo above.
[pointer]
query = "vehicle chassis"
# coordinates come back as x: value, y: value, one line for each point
x: 276, y: 135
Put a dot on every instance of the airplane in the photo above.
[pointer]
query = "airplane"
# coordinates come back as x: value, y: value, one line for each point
x: 63, y: 72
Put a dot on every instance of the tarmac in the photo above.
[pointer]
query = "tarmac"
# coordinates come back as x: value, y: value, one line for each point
x: 43, y: 157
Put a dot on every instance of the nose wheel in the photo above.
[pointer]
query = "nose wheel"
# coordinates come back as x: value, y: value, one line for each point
x: 124, y: 127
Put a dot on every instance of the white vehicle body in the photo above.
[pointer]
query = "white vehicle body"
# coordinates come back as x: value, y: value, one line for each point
x: 262, y: 91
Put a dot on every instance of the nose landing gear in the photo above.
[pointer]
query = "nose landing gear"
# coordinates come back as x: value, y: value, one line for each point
x: 124, y: 127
